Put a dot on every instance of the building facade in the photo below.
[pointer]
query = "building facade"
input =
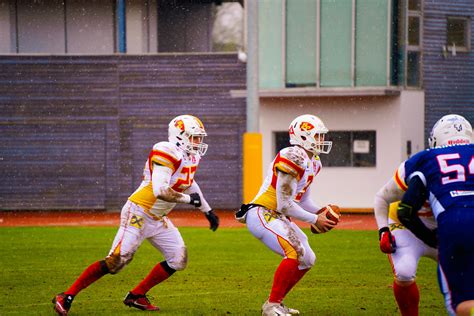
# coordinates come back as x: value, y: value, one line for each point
x: 378, y: 73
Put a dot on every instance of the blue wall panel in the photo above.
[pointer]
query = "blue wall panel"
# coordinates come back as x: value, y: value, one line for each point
x: 448, y: 81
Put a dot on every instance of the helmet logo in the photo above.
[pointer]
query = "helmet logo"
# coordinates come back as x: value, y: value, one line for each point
x: 292, y: 131
x: 180, y: 125
x: 306, y: 126
x: 458, y: 127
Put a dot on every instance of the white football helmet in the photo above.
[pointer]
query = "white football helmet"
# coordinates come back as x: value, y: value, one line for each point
x: 308, y: 131
x: 187, y: 132
x: 451, y: 129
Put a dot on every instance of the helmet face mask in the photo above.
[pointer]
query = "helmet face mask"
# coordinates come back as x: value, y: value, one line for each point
x: 187, y: 132
x: 308, y: 132
x: 196, y: 145
x: 451, y: 129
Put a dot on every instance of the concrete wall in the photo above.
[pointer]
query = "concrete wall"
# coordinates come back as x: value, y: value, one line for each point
x: 395, y: 120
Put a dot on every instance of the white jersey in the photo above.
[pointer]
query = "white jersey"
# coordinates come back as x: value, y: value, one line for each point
x: 183, y: 168
x: 294, y: 161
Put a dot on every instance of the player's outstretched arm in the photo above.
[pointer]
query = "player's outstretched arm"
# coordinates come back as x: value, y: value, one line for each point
x: 411, y: 202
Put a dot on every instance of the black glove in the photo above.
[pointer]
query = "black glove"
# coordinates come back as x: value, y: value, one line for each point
x: 195, y: 199
x: 213, y: 220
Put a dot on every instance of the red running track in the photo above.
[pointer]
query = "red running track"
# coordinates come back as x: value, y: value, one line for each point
x: 179, y: 218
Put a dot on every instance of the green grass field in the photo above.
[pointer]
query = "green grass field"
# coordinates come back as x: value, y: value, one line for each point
x: 229, y: 273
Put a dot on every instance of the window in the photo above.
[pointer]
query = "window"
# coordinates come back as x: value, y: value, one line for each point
x: 414, y: 5
x: 414, y: 45
x: 458, y: 37
x: 301, y: 17
x: 282, y: 140
x: 199, y: 26
x: 349, y: 148
x: 414, y: 31
x: 227, y: 30
x: 62, y: 27
x: 414, y: 71
x: 324, y: 43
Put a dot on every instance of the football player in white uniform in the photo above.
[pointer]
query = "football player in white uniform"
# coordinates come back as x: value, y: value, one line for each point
x: 403, y: 248
x: 168, y: 178
x: 283, y: 195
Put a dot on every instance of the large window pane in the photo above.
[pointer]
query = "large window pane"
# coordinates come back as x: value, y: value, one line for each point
x: 90, y: 27
x: 41, y: 27
x: 371, y: 43
x: 336, y: 43
x: 270, y: 18
x: 340, y: 155
x: 301, y: 42
x: 183, y: 26
x: 282, y: 140
x: 227, y: 30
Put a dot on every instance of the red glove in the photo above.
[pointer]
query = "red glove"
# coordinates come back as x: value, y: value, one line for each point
x: 387, y: 240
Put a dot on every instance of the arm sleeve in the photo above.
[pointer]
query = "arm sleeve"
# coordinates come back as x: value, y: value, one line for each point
x: 389, y: 193
x: 412, y: 201
x: 285, y: 191
x: 308, y: 204
x: 160, y: 178
x: 194, y: 188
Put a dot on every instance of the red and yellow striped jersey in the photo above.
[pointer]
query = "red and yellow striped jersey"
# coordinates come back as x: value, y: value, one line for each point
x: 294, y: 161
x: 183, y: 167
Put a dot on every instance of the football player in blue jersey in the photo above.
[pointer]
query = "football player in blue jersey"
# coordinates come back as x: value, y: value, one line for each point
x: 444, y: 174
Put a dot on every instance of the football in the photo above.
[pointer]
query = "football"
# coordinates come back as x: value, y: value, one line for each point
x: 334, y: 214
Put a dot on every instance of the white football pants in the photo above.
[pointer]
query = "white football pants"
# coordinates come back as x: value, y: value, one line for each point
x: 280, y: 235
x: 408, y: 253
x: 136, y: 226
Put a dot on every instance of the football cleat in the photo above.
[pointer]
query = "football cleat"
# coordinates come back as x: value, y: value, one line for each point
x: 274, y: 309
x: 290, y: 311
x: 62, y: 303
x: 140, y: 302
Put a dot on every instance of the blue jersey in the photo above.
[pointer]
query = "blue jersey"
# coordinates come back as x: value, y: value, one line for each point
x: 448, y: 175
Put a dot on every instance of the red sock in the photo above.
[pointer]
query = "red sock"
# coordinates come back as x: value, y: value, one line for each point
x: 93, y: 272
x: 296, y: 278
x: 157, y: 275
x: 284, y: 275
x: 407, y: 298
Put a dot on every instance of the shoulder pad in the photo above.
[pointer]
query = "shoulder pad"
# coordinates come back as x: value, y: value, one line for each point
x: 291, y: 160
x: 166, y: 154
x: 295, y: 154
x: 399, y: 177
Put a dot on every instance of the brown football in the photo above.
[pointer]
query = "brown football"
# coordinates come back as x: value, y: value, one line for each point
x: 334, y: 214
